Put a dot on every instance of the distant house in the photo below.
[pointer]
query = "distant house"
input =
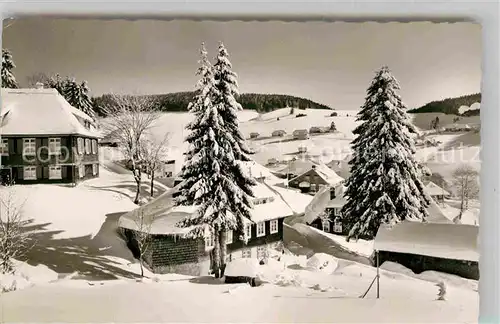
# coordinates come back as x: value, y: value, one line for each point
x: 300, y: 134
x: 314, y: 179
x: 295, y: 168
x: 324, y: 211
x: 272, y: 161
x: 45, y: 140
x: 173, y: 252
x: 315, y: 130
x: 436, y: 192
x: 341, y: 166
x: 457, y: 128
x: 254, y: 135
x: 166, y: 169
x: 449, y: 248
x: 278, y: 133
x: 302, y: 149
x: 110, y: 140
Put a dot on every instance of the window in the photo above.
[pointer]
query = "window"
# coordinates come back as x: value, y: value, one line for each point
x: 94, y: 146
x: 209, y: 241
x: 332, y: 193
x: 261, y: 229
x: 81, y: 171
x: 54, y: 146
x: 29, y: 173
x: 274, y: 226
x: 248, y: 231
x: 87, y: 146
x: 337, y: 225
x: 79, y: 143
x: 229, y: 237
x: 168, y: 174
x: 55, y: 172
x: 4, y: 147
x: 94, y: 169
x: 29, y: 146
x: 326, y: 225
x: 307, y: 178
x: 314, y: 187
x: 246, y: 253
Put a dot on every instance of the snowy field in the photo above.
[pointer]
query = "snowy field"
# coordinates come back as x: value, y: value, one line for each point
x: 321, y: 289
x: 332, y: 146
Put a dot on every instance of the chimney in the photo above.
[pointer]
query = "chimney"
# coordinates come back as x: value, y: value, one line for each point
x: 39, y: 85
x: 313, y: 166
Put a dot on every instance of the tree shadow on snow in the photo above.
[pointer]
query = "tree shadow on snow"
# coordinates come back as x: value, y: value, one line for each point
x: 129, y: 189
x: 85, y: 255
x: 207, y: 280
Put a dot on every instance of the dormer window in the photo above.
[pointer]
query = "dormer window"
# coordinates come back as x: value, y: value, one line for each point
x: 332, y: 193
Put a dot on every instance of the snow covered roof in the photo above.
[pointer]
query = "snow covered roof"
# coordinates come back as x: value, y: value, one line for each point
x: 163, y: 215
x: 435, y: 190
x: 298, y: 166
x: 436, y: 214
x: 317, y: 204
x: 328, y: 174
x: 449, y: 241
x: 255, y: 170
x: 41, y: 112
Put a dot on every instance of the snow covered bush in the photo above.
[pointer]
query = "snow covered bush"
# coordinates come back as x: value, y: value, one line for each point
x: 15, y: 239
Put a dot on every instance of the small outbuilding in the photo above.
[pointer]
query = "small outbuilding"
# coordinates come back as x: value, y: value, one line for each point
x: 449, y: 248
x: 278, y: 133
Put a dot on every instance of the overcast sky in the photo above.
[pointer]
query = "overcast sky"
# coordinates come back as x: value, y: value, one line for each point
x: 331, y: 63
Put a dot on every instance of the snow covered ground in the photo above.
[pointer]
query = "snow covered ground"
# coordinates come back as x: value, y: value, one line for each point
x: 325, y: 290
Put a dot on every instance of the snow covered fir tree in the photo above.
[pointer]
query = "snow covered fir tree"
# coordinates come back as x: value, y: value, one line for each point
x: 212, y: 176
x: 224, y: 99
x: 8, y: 79
x: 385, y: 184
x: 77, y: 95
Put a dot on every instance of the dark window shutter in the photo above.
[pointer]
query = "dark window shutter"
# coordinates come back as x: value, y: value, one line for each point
x: 64, y: 172
x: 39, y: 144
x: 45, y: 172
x: 20, y: 173
x: 12, y: 146
x: 39, y: 172
x: 19, y: 146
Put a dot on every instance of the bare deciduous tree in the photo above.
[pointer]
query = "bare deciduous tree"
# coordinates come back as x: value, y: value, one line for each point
x: 142, y: 237
x: 128, y: 119
x: 465, y: 181
x: 153, y: 153
x: 15, y: 240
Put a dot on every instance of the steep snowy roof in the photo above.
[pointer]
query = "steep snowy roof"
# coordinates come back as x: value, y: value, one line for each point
x: 163, y: 215
x: 255, y: 170
x: 435, y: 190
x: 41, y: 112
x: 322, y: 200
x: 298, y: 166
x: 328, y: 174
x: 449, y: 241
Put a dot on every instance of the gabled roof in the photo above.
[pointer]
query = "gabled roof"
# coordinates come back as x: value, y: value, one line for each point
x: 435, y: 190
x: 163, y: 215
x: 322, y: 200
x: 298, y: 166
x: 449, y: 241
x: 327, y: 174
x: 41, y: 112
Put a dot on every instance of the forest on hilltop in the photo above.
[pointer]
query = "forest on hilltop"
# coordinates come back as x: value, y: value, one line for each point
x: 179, y: 101
x: 450, y: 105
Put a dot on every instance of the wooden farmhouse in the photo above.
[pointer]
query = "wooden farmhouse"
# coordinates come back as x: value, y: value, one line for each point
x: 278, y: 133
x: 300, y: 134
x: 449, y: 248
x: 315, y: 178
x: 325, y: 211
x: 45, y: 140
x: 173, y: 251
x: 436, y: 192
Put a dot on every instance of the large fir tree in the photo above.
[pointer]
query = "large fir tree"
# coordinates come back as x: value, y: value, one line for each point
x: 227, y: 105
x: 212, y: 176
x: 385, y: 184
x: 8, y: 79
